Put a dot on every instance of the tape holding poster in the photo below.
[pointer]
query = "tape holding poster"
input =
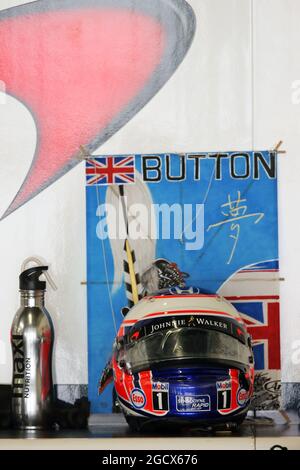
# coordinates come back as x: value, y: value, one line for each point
x: 207, y: 220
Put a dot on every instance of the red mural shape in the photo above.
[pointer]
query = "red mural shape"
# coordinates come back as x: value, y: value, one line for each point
x: 78, y: 70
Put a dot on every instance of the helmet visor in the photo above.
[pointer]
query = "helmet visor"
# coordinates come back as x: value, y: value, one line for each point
x: 185, y: 344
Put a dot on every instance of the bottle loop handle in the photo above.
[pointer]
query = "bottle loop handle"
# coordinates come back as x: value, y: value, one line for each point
x: 35, y: 259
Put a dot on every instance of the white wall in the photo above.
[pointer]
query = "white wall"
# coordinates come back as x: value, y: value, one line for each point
x: 226, y: 95
x: 276, y: 68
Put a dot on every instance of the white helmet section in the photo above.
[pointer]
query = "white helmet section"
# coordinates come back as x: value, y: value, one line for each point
x: 182, y: 304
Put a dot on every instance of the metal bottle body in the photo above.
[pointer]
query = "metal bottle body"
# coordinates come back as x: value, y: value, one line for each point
x: 32, y: 337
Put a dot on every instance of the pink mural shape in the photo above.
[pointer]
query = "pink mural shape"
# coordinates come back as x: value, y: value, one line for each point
x: 84, y: 69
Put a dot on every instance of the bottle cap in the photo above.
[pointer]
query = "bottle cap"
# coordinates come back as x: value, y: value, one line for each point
x: 29, y: 279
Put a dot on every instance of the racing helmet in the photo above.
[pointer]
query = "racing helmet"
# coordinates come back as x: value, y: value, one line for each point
x: 183, y: 357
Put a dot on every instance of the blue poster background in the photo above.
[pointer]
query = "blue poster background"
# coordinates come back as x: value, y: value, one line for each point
x: 208, y: 267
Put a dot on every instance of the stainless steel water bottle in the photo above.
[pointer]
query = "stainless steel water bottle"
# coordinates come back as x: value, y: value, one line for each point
x: 32, y: 343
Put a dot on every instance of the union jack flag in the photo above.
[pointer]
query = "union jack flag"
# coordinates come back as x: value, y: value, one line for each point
x: 259, y: 306
x: 110, y: 170
x: 264, y: 329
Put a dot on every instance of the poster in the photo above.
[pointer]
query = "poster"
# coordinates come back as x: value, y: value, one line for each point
x: 203, y: 219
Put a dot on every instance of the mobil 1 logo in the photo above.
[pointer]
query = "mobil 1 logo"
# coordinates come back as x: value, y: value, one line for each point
x: 224, y: 394
x: 160, y: 396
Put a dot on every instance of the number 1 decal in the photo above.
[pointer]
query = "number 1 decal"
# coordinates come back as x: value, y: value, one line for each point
x: 160, y: 401
x: 224, y: 399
